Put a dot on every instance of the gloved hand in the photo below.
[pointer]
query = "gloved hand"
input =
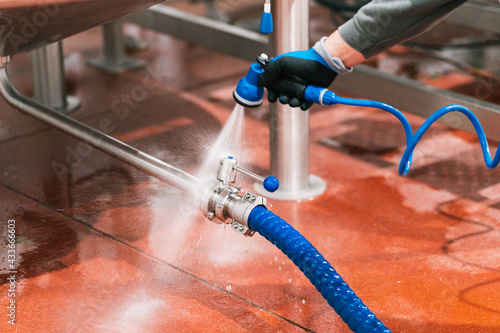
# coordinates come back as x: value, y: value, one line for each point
x: 313, y: 67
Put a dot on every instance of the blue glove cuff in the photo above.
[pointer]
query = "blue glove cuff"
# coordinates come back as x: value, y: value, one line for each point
x: 310, y: 54
x: 320, y: 54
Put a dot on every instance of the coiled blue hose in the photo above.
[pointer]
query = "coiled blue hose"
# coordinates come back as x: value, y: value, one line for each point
x: 323, y: 96
x: 315, y: 267
x: 412, y: 140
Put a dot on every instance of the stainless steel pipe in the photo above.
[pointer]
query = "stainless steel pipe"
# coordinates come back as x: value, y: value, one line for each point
x: 49, y: 81
x: 136, y: 158
x: 289, y: 127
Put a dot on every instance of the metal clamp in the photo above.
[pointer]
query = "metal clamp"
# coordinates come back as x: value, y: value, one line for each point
x: 224, y: 202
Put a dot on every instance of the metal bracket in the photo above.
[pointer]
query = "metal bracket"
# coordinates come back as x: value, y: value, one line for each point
x: 115, y: 61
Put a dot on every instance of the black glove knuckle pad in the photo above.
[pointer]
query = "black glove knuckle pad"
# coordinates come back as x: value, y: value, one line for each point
x: 289, y: 77
x: 309, y: 70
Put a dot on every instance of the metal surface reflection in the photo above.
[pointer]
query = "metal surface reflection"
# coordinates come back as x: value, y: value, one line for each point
x: 26, y: 25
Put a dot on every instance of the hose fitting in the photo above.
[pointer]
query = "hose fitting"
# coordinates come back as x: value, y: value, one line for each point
x: 224, y: 202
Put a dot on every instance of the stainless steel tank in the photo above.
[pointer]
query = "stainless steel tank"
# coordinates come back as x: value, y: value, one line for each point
x: 28, y: 24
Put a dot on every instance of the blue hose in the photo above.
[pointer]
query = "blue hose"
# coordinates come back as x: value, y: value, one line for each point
x: 321, y: 95
x: 315, y: 267
x: 412, y: 140
x: 405, y: 164
x: 490, y: 163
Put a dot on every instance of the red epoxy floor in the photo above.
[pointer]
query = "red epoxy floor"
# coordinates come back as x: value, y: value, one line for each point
x: 105, y: 248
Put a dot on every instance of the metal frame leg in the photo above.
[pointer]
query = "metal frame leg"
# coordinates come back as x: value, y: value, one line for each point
x: 289, y: 127
x: 115, y: 61
x: 49, y: 83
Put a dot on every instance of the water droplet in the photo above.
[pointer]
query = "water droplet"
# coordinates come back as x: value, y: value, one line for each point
x: 303, y: 301
x: 279, y: 268
x: 289, y: 280
x: 229, y: 288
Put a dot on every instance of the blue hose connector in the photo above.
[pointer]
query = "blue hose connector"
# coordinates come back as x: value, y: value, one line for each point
x: 266, y: 21
x: 315, y: 267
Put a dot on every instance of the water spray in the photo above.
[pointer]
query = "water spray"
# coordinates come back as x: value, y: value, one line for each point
x: 222, y: 201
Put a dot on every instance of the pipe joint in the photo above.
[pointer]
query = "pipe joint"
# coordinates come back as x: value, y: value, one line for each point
x: 224, y: 202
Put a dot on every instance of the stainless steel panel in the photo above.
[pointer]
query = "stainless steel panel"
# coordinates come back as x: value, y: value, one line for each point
x: 209, y: 33
x: 26, y: 25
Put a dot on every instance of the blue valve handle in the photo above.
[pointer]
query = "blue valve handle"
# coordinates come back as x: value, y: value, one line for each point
x: 271, y: 184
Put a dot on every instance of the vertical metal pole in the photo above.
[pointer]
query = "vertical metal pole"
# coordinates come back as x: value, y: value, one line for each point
x: 289, y: 127
x: 49, y: 82
x: 114, y: 60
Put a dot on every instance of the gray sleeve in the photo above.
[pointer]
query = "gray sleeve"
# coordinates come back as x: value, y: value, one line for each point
x: 381, y: 24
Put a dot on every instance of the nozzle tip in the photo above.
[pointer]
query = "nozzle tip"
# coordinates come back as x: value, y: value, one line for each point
x: 243, y: 102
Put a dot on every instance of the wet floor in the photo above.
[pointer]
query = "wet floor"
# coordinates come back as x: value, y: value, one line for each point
x: 102, y: 247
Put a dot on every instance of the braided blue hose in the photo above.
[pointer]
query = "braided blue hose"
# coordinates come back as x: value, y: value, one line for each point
x: 315, y: 267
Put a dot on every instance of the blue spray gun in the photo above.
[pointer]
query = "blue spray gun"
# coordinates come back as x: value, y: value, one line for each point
x: 249, y: 93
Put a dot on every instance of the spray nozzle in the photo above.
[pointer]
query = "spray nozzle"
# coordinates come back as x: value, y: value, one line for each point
x: 248, y: 93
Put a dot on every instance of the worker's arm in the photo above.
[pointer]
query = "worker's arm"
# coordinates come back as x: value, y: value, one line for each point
x: 382, y: 24
x: 375, y: 27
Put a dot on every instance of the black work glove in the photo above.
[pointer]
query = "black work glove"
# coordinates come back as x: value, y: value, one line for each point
x: 312, y: 67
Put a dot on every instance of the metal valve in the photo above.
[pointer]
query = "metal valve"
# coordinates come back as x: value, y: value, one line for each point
x: 228, y: 169
x: 224, y: 202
